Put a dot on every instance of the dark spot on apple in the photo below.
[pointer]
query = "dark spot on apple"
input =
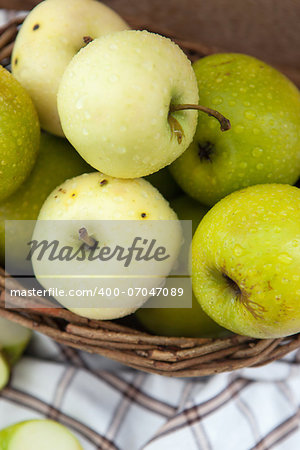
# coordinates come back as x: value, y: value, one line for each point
x: 143, y: 215
x: 36, y: 26
x: 227, y: 74
x: 205, y: 151
x: 103, y: 182
x: 73, y: 195
x: 55, y: 196
x: 63, y: 191
x: 16, y: 61
x: 222, y: 63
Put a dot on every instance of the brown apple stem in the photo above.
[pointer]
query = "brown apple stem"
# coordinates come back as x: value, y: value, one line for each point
x: 225, y: 123
x: 87, y: 39
x: 84, y: 237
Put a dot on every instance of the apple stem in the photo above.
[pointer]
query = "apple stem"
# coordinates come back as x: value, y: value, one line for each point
x: 84, y: 237
x: 87, y: 39
x: 225, y: 123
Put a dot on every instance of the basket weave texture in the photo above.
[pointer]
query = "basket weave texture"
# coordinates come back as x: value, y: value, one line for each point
x: 170, y: 356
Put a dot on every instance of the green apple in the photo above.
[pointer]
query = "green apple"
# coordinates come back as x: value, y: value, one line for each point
x: 96, y: 208
x: 14, y: 338
x: 246, y: 259
x: 165, y: 183
x: 37, y: 435
x: 263, y: 145
x: 4, y: 371
x: 51, y: 35
x: 187, y: 322
x: 20, y: 134
x: 116, y: 103
x: 187, y: 208
x: 57, y: 161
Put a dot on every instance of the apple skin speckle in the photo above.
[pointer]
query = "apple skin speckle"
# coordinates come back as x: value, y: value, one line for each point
x: 253, y: 236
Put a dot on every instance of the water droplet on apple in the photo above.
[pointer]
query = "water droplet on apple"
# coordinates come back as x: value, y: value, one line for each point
x: 87, y: 115
x: 259, y: 166
x: 238, y: 250
x: 121, y: 150
x: 243, y: 165
x: 113, y: 47
x: 85, y: 132
x: 217, y: 100
x: 232, y: 103
x: 256, y: 152
x: 285, y: 258
x: 113, y: 78
x: 123, y: 128
x: 239, y: 129
x: 79, y: 103
x: 250, y: 115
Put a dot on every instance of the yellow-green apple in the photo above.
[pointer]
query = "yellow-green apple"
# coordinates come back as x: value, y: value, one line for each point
x: 263, y: 145
x: 13, y: 341
x: 36, y: 435
x: 246, y: 259
x: 100, y: 212
x: 116, y: 103
x: 53, y: 32
x: 4, y: 371
x: 191, y: 321
x: 57, y: 160
x: 165, y: 183
x: 188, y: 322
x: 20, y: 134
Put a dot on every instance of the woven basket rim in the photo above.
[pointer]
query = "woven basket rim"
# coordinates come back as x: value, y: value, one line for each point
x: 169, y: 356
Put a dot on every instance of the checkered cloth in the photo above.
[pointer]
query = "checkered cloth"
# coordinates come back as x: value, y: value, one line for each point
x: 109, y: 406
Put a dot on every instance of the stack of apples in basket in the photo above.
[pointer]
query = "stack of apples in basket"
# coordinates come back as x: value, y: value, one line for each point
x: 131, y: 130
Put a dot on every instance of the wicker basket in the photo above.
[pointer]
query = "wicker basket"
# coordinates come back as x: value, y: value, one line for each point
x: 177, y: 357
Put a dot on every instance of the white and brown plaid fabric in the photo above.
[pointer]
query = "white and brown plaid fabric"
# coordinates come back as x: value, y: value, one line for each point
x: 109, y: 406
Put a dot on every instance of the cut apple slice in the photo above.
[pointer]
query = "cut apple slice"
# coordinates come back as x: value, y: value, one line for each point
x: 37, y: 435
x: 4, y: 372
x: 13, y: 339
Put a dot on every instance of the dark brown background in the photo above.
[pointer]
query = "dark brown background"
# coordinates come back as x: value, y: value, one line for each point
x: 268, y: 29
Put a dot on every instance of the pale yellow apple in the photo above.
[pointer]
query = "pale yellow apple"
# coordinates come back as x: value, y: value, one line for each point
x: 114, y: 212
x: 51, y: 35
x: 115, y: 103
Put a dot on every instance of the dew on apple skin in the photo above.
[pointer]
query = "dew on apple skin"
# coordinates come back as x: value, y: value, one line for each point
x: 243, y: 165
x: 260, y: 166
x: 285, y: 258
x: 79, y: 103
x: 250, y: 115
x: 121, y: 150
x: 113, y: 78
x: 85, y: 132
x: 87, y: 115
x: 238, y: 250
x: 239, y: 129
x: 217, y: 101
x: 256, y: 152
